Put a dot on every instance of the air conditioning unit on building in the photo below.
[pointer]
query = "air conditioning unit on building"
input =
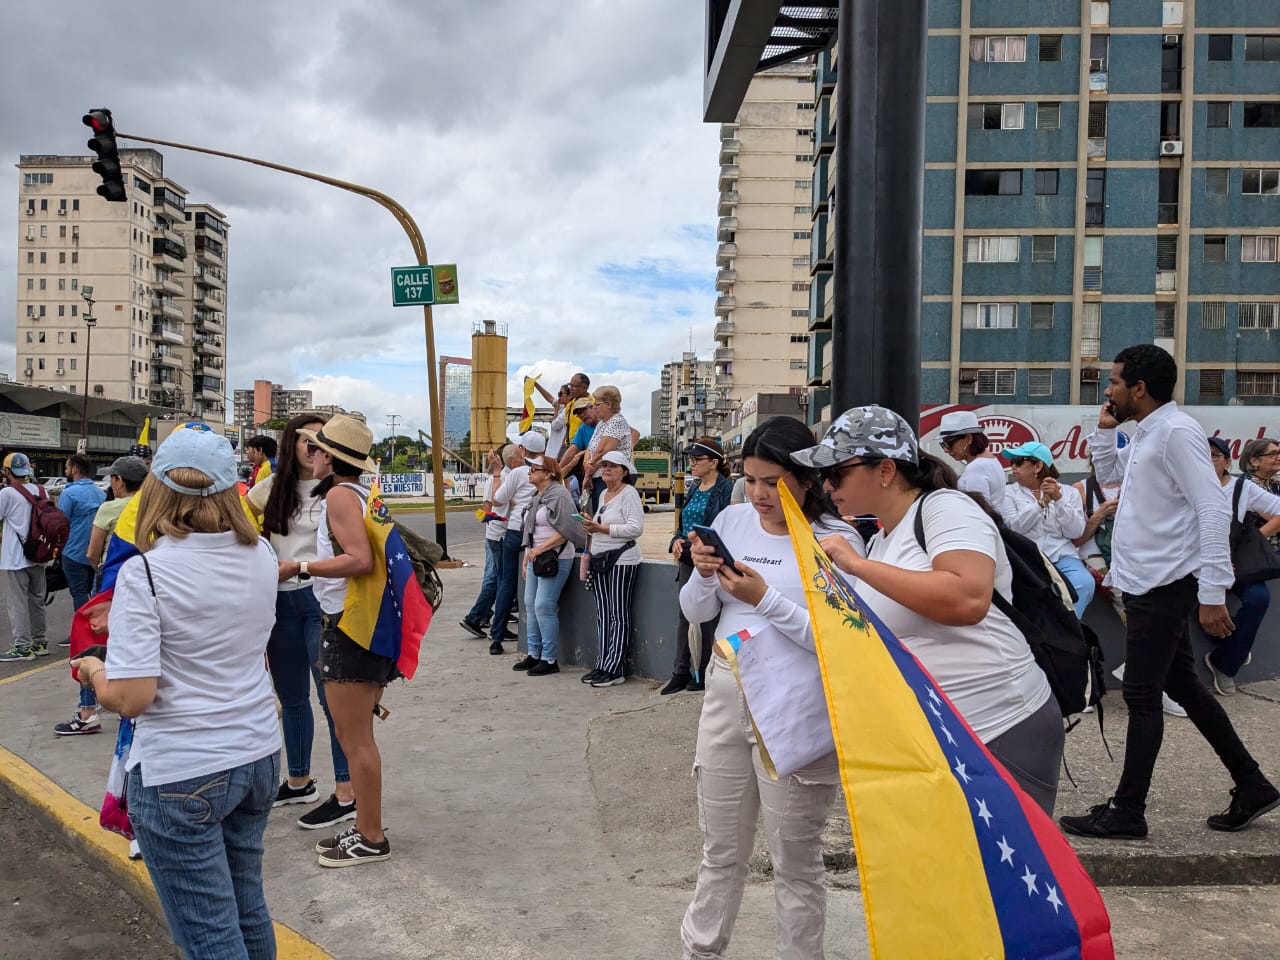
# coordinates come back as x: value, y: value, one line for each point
x: 1170, y: 148
x: 968, y: 376
x: 1090, y: 375
x: 1095, y: 65
x: 1172, y: 39
x: 98, y: 388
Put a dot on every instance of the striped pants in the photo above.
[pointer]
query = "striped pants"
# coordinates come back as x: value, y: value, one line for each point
x: 613, y: 592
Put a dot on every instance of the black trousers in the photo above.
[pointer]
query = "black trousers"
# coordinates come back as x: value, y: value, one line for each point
x: 683, y: 666
x: 1158, y: 659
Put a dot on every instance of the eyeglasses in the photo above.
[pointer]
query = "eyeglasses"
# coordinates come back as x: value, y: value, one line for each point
x: 1023, y: 461
x: 700, y: 459
x: 949, y: 442
x: 312, y: 449
x: 1269, y: 453
x: 835, y: 475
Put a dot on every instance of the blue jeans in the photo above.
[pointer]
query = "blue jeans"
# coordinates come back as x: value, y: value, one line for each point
x: 542, y: 622
x: 482, y: 610
x: 293, y: 656
x: 1229, y: 653
x: 201, y: 840
x: 1077, y: 574
x: 508, y: 582
x: 80, y: 585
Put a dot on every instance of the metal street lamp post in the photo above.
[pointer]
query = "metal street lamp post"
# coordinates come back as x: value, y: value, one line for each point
x: 90, y: 321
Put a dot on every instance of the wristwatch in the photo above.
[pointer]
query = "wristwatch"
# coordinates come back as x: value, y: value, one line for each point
x: 302, y: 570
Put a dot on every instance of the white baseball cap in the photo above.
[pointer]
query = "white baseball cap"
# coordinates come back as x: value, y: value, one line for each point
x: 533, y: 442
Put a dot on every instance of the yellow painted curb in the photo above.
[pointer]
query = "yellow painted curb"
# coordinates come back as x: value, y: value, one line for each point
x: 109, y: 852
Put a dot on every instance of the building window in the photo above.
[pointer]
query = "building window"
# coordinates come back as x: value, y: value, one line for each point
x: 804, y: 106
x: 799, y: 261
x: 1042, y: 316
x: 800, y: 313
x: 1215, y: 249
x: 1100, y: 13
x: 996, y: 383
x: 991, y: 250
x: 75, y: 256
x: 1164, y: 321
x: 1166, y: 253
x: 991, y: 183
x: 1219, y: 113
x: 1046, y: 183
x: 803, y: 208
x: 1213, y: 315
x: 1252, y: 383
x: 801, y: 234
x: 1099, y: 46
x: 1258, y: 316
x: 62, y: 312
x: 40, y: 363
x: 73, y: 333
x: 1261, y: 47
x: 1220, y: 46
x: 1050, y: 47
x: 998, y: 49
x: 804, y: 158
x: 1258, y: 114
x: 989, y: 316
x: 804, y: 184
x: 1217, y: 181
x: 43, y: 283
x: 1262, y: 182
x: 62, y: 257
x: 44, y: 257
x: 1044, y: 249
x: 799, y: 338
x: 1212, y: 383
x: 798, y: 364
x: 800, y: 287
x: 44, y: 231
x: 997, y: 116
x: 75, y: 205
x: 1258, y: 249
x: 1048, y: 116
x: 1039, y: 383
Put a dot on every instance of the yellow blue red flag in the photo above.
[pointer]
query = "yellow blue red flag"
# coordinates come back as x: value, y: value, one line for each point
x: 954, y: 859
x: 385, y: 610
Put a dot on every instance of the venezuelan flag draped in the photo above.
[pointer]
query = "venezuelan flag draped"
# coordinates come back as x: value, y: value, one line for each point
x: 526, y: 421
x: 385, y: 611
x: 954, y: 859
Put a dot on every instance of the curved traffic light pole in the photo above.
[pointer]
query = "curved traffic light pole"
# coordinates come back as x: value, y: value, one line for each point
x: 419, y: 250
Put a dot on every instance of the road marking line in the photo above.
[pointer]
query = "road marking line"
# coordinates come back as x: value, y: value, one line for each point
x: 34, y: 670
x: 110, y: 851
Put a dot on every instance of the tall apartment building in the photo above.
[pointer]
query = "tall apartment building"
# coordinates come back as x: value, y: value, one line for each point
x: 157, y: 269
x: 1097, y: 175
x: 686, y: 406
x: 766, y: 169
x: 269, y: 401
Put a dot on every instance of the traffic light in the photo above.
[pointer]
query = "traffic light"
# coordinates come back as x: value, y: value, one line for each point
x: 103, y: 143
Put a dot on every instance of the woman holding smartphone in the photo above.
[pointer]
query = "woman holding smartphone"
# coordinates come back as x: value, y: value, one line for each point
x: 733, y: 786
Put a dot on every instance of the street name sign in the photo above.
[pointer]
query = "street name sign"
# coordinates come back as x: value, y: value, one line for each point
x: 424, y: 285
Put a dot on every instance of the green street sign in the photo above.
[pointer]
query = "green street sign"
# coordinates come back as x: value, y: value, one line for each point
x: 419, y: 286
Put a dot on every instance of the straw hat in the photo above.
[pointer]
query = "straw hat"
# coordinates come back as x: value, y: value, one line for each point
x: 346, y: 439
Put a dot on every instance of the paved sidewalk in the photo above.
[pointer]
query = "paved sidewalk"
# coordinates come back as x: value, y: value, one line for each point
x: 538, y: 818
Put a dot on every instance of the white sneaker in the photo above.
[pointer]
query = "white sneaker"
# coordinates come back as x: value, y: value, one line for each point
x: 1172, y: 707
x: 1118, y: 673
x: 135, y: 852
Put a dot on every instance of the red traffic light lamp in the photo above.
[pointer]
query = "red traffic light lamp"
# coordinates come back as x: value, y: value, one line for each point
x: 103, y: 143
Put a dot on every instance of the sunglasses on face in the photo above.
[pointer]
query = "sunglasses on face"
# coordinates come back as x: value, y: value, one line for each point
x: 312, y: 449
x: 1023, y: 461
x: 834, y: 476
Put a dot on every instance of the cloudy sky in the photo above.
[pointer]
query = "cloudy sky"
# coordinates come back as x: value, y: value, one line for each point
x: 555, y: 152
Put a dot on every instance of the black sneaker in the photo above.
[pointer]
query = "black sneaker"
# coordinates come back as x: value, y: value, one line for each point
x: 524, y: 664
x: 591, y: 675
x: 76, y: 726
x: 607, y: 679
x: 509, y: 635
x: 1107, y: 822
x: 331, y: 843
x: 354, y: 849
x: 676, y: 684
x: 327, y: 814
x: 287, y: 794
x: 696, y: 686
x: 1247, y: 805
x: 541, y: 668
x: 495, y: 649
x: 473, y: 628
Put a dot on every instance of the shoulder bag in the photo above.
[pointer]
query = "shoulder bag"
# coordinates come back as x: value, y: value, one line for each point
x: 1252, y: 555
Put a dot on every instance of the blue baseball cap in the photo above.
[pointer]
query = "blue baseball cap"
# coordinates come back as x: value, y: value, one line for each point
x: 1037, y: 451
x: 18, y: 464
x: 201, y: 450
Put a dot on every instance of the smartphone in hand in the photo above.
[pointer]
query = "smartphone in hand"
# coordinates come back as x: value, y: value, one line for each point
x: 711, y: 538
x: 580, y: 518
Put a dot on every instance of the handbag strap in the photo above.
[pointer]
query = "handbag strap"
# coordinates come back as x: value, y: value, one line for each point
x: 1235, y: 496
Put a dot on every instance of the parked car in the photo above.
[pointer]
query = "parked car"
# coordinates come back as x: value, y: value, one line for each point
x: 54, y: 485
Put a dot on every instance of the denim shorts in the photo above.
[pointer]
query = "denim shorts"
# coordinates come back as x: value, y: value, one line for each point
x: 342, y: 660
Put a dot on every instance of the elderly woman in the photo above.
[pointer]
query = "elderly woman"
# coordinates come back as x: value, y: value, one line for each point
x: 551, y: 535
x: 1050, y: 513
x: 962, y: 438
x: 613, y: 561
x: 702, y: 504
x: 612, y: 432
x: 205, y: 762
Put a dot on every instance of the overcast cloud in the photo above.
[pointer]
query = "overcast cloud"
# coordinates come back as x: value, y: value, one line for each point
x: 555, y: 152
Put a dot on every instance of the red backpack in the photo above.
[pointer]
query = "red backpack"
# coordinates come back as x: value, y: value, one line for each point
x: 49, y: 528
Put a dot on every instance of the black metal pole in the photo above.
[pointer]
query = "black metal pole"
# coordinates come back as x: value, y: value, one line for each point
x: 879, y: 205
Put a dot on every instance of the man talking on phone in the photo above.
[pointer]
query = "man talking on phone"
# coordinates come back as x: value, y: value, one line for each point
x: 1169, y: 551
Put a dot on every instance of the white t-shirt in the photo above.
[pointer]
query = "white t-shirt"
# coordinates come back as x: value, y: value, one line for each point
x: 516, y: 492
x: 214, y: 707
x: 331, y: 592
x: 986, y: 669
x: 771, y: 554
x: 557, y: 434
x: 16, y: 514
x: 985, y: 475
x: 300, y: 542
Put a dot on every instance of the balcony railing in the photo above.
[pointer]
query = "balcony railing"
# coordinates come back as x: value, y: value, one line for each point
x: 727, y: 227
x: 728, y: 202
x: 728, y: 175
x: 723, y: 329
x: 725, y: 253
x: 166, y: 332
x: 725, y: 305
x: 724, y: 353
x: 729, y: 149
x: 725, y: 279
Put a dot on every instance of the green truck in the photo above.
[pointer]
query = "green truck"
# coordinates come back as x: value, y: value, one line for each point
x: 653, y: 475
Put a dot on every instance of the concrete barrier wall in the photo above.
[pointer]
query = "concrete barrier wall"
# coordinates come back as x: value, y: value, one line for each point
x: 651, y: 650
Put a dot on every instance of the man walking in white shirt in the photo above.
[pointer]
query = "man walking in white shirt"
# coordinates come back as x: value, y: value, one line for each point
x: 1168, y: 550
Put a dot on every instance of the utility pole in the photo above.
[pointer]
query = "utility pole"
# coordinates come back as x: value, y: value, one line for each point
x: 392, y: 420
x: 89, y: 322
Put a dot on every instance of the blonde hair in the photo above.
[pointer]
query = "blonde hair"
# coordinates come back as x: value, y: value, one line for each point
x: 164, y: 512
x: 610, y: 395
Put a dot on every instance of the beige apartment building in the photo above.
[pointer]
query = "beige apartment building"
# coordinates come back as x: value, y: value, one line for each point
x: 156, y: 266
x: 766, y: 171
x: 686, y: 406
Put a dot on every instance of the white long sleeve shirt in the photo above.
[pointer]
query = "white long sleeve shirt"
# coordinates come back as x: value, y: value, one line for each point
x: 1253, y: 498
x: 985, y: 475
x: 1052, y: 526
x: 1172, y: 518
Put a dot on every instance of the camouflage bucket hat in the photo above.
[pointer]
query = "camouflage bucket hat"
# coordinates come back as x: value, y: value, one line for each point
x: 875, y: 432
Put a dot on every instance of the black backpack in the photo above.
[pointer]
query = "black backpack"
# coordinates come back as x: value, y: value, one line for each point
x: 49, y: 528
x: 1066, y: 650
